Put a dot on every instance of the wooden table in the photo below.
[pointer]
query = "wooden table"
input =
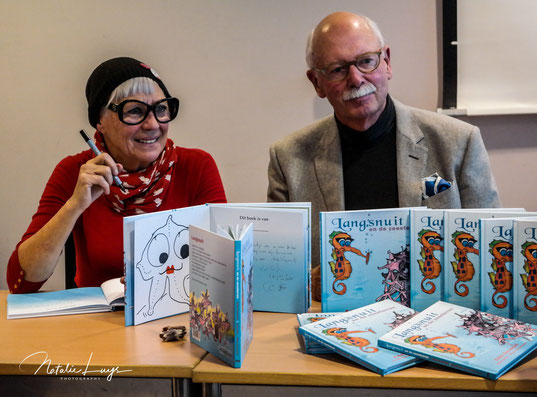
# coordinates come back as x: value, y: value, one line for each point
x: 275, y: 357
x: 98, y: 346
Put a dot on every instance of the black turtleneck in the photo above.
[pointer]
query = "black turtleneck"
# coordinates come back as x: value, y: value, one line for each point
x: 369, y: 163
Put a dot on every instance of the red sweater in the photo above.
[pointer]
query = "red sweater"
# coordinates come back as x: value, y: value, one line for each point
x: 98, y: 233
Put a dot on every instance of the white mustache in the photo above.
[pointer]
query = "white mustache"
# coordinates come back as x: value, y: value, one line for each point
x: 365, y: 89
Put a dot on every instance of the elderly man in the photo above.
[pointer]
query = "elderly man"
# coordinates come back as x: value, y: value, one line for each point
x: 373, y: 152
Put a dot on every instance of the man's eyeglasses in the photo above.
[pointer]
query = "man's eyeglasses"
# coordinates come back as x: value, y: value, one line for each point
x: 366, y: 63
x: 134, y: 112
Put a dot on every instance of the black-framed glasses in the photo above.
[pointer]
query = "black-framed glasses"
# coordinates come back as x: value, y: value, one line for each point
x: 134, y: 112
x: 367, y: 62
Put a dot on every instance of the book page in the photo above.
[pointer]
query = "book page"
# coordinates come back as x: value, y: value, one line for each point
x: 70, y: 301
x: 280, y: 257
x: 161, y: 262
x: 114, y: 291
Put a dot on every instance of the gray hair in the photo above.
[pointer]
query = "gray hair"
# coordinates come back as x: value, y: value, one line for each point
x: 136, y: 85
x: 309, y: 44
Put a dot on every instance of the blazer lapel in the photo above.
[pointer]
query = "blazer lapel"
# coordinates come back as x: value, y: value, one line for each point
x: 329, y: 168
x: 411, y: 157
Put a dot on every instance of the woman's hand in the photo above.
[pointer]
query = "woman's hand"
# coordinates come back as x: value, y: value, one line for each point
x: 39, y: 254
x: 94, y: 179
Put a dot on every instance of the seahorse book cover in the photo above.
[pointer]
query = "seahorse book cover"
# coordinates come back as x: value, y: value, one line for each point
x: 462, y: 256
x: 221, y: 307
x: 426, y: 257
x: 354, y: 335
x: 496, y: 246
x: 310, y: 345
x: 364, y: 258
x: 525, y: 270
x: 477, y: 342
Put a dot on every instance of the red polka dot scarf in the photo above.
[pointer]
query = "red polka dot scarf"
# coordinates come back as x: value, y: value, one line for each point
x: 146, y: 189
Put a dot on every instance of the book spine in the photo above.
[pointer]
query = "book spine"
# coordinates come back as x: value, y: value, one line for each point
x: 341, y: 352
x: 128, y: 263
x: 237, y: 305
x: 466, y: 368
x: 483, y: 300
x: 322, y: 265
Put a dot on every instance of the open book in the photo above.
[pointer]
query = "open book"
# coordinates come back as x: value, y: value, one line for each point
x: 71, y: 301
x: 157, y: 256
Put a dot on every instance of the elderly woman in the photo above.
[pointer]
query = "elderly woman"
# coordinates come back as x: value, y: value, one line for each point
x: 130, y: 108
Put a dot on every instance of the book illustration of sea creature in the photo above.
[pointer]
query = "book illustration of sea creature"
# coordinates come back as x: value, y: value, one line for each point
x: 344, y: 336
x: 315, y: 319
x: 341, y: 266
x: 463, y: 268
x: 400, y: 318
x: 496, y: 327
x: 501, y: 279
x: 529, y: 279
x: 209, y: 320
x: 162, y: 262
x: 430, y: 266
x: 397, y: 278
x: 429, y: 343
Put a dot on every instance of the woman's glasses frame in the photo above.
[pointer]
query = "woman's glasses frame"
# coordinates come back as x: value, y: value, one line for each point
x: 173, y: 106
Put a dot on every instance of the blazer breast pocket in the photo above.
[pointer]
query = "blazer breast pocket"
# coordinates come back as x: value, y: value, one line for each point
x: 449, y: 198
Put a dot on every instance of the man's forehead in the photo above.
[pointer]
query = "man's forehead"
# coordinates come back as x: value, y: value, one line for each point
x: 334, y: 48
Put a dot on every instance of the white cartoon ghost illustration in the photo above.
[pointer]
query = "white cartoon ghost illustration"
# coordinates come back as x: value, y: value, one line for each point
x: 164, y: 263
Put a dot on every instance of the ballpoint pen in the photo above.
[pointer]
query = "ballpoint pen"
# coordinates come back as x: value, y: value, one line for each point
x: 88, y: 140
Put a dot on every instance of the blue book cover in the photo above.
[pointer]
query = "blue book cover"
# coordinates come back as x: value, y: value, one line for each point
x: 426, y: 257
x: 221, y: 307
x: 462, y: 278
x: 477, y: 342
x: 354, y: 335
x: 364, y: 258
x: 525, y: 270
x: 496, y: 246
x: 310, y: 345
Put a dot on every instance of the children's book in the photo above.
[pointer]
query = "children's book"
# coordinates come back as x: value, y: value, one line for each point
x: 463, y: 338
x: 156, y: 256
x: 221, y: 305
x: 354, y: 334
x: 525, y: 270
x: 462, y: 278
x: 426, y: 257
x: 364, y: 258
x: 496, y: 246
x: 310, y: 345
x: 107, y: 297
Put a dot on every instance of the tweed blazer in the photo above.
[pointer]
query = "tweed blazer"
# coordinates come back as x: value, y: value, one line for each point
x: 307, y: 165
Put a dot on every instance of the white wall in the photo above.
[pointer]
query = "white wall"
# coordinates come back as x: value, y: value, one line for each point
x: 237, y: 66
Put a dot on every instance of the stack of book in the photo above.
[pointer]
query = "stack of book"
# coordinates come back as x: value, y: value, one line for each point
x: 386, y: 337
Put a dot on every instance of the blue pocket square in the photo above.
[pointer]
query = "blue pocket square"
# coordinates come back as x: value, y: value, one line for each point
x: 433, y: 184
